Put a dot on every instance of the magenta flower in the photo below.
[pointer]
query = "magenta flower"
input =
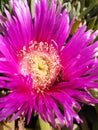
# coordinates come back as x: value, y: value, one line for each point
x: 43, y: 74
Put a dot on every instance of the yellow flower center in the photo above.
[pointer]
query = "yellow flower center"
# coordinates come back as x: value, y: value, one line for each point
x: 42, y: 62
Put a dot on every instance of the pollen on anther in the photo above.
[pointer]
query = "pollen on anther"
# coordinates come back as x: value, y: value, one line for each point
x: 41, y: 61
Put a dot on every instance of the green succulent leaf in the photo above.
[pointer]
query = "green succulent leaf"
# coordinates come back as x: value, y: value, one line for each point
x: 89, y: 8
x: 91, y: 23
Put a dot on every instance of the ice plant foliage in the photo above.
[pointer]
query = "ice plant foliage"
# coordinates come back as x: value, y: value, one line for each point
x: 44, y: 73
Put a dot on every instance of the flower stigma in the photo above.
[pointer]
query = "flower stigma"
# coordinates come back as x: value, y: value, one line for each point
x: 41, y: 61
